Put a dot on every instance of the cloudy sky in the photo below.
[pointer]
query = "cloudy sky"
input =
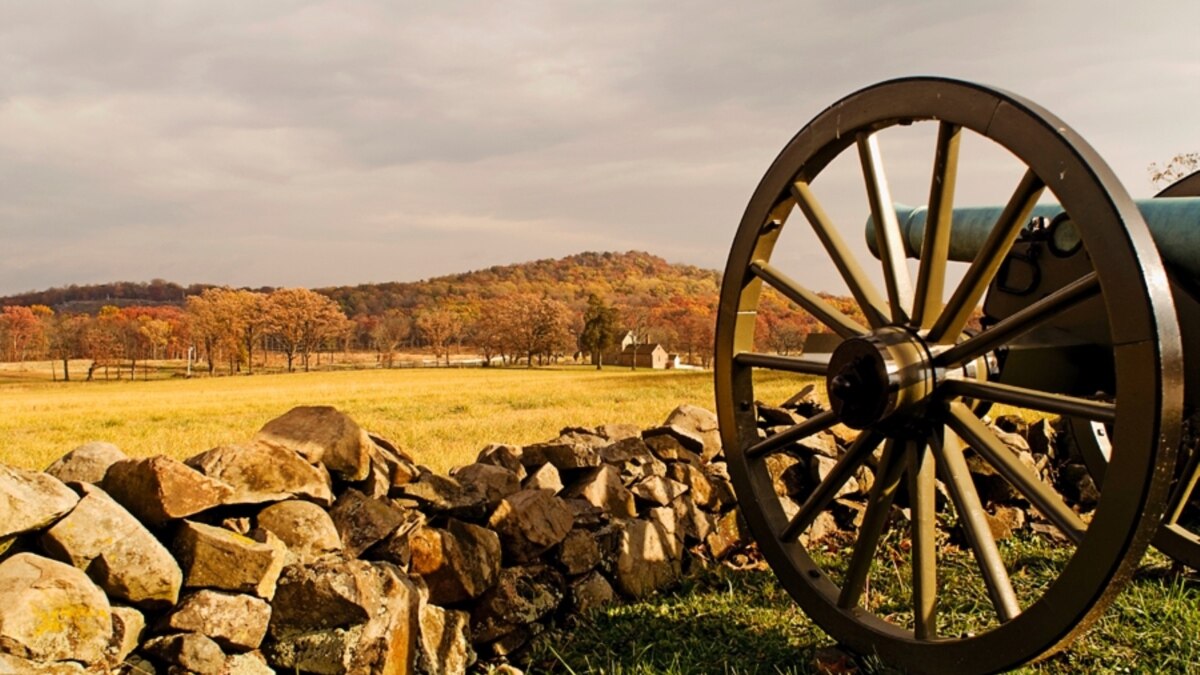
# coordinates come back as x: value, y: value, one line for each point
x: 319, y: 143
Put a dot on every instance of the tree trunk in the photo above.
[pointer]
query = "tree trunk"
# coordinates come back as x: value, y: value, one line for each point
x: 66, y: 370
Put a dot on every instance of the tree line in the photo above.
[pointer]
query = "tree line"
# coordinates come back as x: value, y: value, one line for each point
x: 530, y: 314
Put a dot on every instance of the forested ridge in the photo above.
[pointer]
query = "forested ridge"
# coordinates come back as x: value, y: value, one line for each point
x: 531, y: 313
x: 570, y: 279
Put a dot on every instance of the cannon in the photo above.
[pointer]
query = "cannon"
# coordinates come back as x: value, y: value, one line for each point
x: 1066, y: 299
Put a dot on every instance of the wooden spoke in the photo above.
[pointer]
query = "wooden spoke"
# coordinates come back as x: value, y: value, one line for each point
x: 1005, y: 461
x: 957, y: 312
x: 957, y: 478
x: 817, y: 423
x: 860, y: 286
x: 887, y: 230
x: 805, y: 365
x: 879, y: 505
x: 823, y: 494
x: 1059, y: 404
x: 922, y: 485
x: 1184, y: 487
x: 814, y: 304
x: 1021, y: 322
x: 935, y: 247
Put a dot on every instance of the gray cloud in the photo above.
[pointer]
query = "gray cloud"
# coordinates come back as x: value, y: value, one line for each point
x: 313, y: 143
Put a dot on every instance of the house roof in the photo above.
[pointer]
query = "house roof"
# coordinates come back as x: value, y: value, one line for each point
x: 644, y: 349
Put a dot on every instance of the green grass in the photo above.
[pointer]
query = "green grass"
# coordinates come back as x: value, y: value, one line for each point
x: 742, y: 622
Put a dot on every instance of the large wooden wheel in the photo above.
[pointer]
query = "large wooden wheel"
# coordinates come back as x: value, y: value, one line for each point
x: 909, y: 379
x: 1179, y: 535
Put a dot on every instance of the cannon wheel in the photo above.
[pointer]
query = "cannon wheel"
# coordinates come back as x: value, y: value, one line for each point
x: 903, y: 380
x: 1174, y: 538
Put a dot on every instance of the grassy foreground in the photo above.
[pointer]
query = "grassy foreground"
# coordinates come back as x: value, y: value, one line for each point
x: 720, y: 621
x: 743, y: 623
x: 442, y: 416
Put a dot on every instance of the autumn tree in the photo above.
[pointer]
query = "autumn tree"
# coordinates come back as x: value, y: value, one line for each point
x: 440, y: 327
x: 1184, y: 164
x: 300, y: 320
x: 65, y: 332
x: 390, y: 329
x: 22, y: 331
x: 599, y: 332
x: 102, y: 342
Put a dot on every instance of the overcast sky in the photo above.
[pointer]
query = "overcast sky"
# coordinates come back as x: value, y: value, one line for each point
x: 320, y: 143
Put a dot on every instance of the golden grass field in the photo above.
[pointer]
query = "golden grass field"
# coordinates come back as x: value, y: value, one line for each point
x: 442, y: 416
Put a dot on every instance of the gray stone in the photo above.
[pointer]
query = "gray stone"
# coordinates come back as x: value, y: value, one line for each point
x: 699, y: 486
x: 458, y: 562
x: 702, y: 424
x: 645, y: 560
x: 546, y: 477
x: 602, y: 487
x: 674, y: 444
x: 128, y: 625
x: 50, y: 611
x: 529, y: 523
x: 305, y: 528
x: 192, y: 651
x: 624, y: 450
x: 260, y: 473
x: 160, y: 489
x: 772, y: 416
x: 658, y: 490
x: 443, y: 494
x: 1004, y: 521
x: 492, y: 482
x: 397, y: 548
x: 87, y: 463
x: 590, y: 593
x: 617, y: 432
x: 389, y: 471
x: 695, y: 524
x: 348, y: 617
x: 445, y: 647
x: 729, y: 535
x: 507, y: 456
x: 235, y: 621
x: 666, y: 520
x: 250, y: 663
x: 100, y: 537
x: 820, y: 468
x: 363, y: 522
x: 15, y: 665
x: 213, y: 557
x: 323, y: 594
x: 322, y: 434
x: 579, y: 552
x: 521, y: 596
x: 31, y: 500
x: 823, y: 525
x: 564, y: 455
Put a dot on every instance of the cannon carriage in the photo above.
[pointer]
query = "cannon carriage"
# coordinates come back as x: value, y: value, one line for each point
x: 1086, y: 301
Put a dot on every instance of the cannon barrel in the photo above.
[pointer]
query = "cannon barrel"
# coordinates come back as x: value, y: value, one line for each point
x: 1174, y: 223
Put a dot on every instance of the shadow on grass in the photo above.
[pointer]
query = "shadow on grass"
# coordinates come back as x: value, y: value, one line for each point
x: 719, y: 621
x: 742, y: 622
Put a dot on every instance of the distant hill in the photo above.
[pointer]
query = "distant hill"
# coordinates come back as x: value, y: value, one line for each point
x: 569, y: 279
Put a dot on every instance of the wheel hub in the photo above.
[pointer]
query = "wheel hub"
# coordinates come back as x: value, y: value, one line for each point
x: 875, y: 376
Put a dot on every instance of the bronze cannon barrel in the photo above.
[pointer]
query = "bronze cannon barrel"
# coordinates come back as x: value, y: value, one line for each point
x: 1174, y: 223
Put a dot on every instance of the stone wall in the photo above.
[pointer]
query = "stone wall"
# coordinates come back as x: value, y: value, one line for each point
x: 318, y: 547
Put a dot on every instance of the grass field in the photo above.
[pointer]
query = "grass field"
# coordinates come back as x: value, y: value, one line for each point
x: 442, y: 416
x: 719, y: 621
